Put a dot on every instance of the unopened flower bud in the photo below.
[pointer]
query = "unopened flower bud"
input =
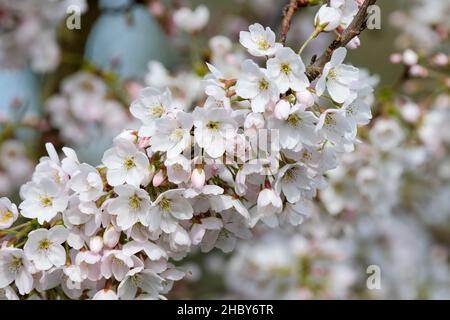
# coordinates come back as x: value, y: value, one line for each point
x: 305, y: 98
x: 354, y: 43
x: 327, y: 18
x: 282, y: 109
x: 198, y: 178
x: 396, y: 58
x: 440, y: 59
x: 158, y: 178
x: 410, y: 57
x: 418, y: 71
x: 111, y: 237
x: 96, y: 244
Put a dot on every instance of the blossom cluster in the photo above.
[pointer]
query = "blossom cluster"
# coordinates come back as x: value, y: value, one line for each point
x: 29, y: 32
x: 257, y: 150
x: 78, y: 111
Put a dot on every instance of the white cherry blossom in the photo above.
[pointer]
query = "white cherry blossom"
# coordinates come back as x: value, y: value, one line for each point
x: 255, y: 84
x: 131, y: 206
x: 125, y: 164
x: 259, y: 41
x: 337, y: 78
x: 287, y: 70
x: 44, y: 248
x: 8, y: 213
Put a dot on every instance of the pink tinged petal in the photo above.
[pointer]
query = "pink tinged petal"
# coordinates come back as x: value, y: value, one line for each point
x: 24, y: 282
x: 197, y: 232
x: 338, y: 56
x: 116, y: 177
x: 245, y: 39
x: 271, y: 220
x: 338, y: 91
x: 212, y: 223
x: 127, y: 289
x: 173, y: 274
x: 135, y: 177
x: 6, y: 276
x: 105, y: 268
x: 216, y: 147
x: 181, y: 237
x: 168, y: 224
x: 58, y: 234
x: 41, y: 261
x: 181, y: 209
x: 321, y: 84
x: 57, y: 255
x: 153, y: 251
x: 119, y: 270
x: 291, y: 192
x: 259, y: 103
x: 154, y: 219
x: 126, y: 221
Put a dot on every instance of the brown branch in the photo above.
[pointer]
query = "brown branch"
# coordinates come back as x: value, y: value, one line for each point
x: 354, y: 29
x: 288, y: 13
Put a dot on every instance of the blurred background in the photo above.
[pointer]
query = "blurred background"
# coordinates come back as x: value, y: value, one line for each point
x: 70, y: 68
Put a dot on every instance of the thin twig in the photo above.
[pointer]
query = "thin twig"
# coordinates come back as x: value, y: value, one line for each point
x: 288, y: 13
x: 354, y: 29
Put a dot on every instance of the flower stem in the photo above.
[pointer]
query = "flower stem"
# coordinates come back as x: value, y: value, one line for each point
x: 311, y: 37
x: 19, y: 226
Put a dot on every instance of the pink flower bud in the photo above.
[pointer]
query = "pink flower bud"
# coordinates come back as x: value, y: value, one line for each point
x: 354, y: 43
x: 111, y: 237
x: 410, y: 112
x: 198, y: 178
x: 305, y: 98
x: 96, y: 244
x: 440, y: 59
x: 410, y: 57
x: 396, y: 58
x: 327, y: 18
x: 134, y: 89
x: 130, y: 135
x: 418, y: 71
x: 158, y: 178
x: 282, y: 109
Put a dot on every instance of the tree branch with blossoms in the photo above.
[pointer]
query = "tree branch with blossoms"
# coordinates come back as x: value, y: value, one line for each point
x: 288, y: 13
x: 256, y: 152
x: 354, y: 29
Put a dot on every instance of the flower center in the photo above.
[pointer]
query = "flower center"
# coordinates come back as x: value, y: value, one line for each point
x: 332, y: 74
x: 176, y: 134
x: 349, y: 111
x: 157, y: 111
x: 129, y: 163
x: 306, y: 155
x: 177, y: 167
x: 44, y: 244
x: 6, y: 216
x: 164, y: 204
x: 213, y: 125
x: 134, y: 202
x: 263, y: 85
x: 263, y: 44
x: 293, y: 120
x: 15, y: 264
x: 87, y: 86
x: 46, y: 201
x: 290, y: 175
x: 329, y: 120
x: 285, y: 68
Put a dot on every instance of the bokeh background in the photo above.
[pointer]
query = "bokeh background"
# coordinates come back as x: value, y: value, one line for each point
x: 387, y: 206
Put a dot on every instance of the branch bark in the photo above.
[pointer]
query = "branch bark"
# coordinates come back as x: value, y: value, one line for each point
x: 354, y: 29
x: 288, y: 13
